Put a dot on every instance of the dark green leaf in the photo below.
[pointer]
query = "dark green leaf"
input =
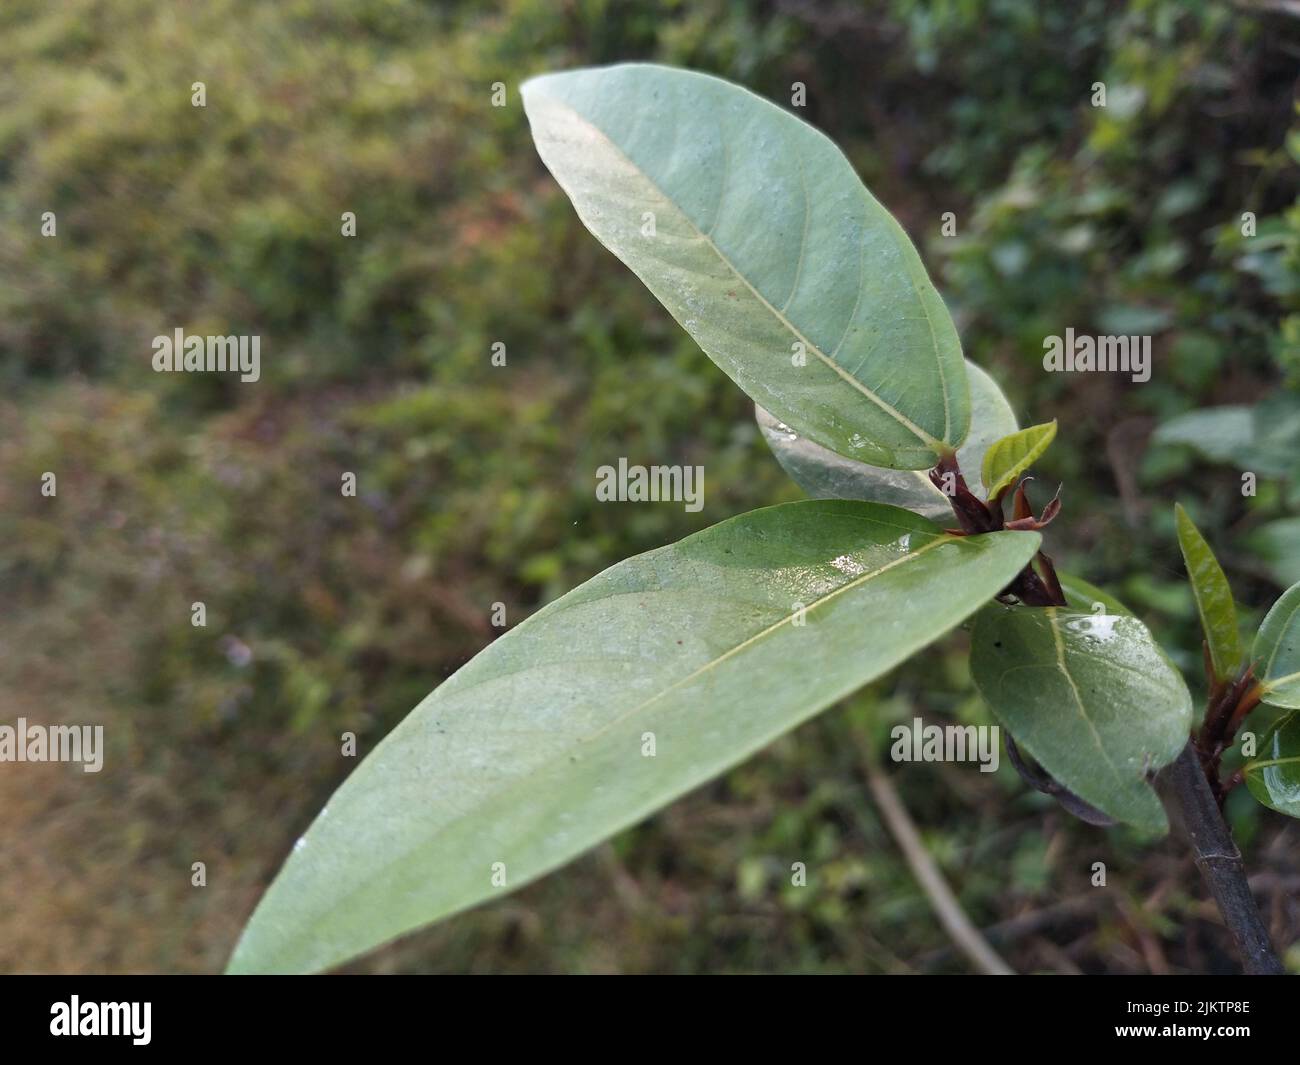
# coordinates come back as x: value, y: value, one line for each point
x: 1091, y: 696
x: 1088, y: 598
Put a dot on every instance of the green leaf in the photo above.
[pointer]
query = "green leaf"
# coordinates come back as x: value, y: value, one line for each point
x: 1273, y: 776
x: 1088, y: 598
x: 1277, y: 651
x: 1091, y: 696
x: 1213, y: 598
x: 765, y: 246
x: 534, y: 751
x: 826, y: 475
x: 1011, y: 456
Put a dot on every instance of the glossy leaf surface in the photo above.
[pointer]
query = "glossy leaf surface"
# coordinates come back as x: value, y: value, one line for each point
x: 1091, y: 696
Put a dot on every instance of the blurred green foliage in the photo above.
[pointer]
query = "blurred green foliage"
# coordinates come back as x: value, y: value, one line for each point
x: 476, y: 483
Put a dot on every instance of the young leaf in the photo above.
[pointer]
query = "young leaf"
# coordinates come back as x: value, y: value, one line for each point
x: 826, y: 475
x: 1273, y: 776
x: 754, y: 231
x: 1091, y: 696
x: 646, y: 681
x: 1213, y: 598
x: 1011, y: 456
x: 1277, y: 650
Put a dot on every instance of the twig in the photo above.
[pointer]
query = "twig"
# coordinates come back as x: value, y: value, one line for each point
x: 944, y: 903
x: 1067, y: 912
x: 1220, y: 864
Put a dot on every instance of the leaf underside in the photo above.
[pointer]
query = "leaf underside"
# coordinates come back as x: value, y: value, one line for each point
x: 534, y: 750
x: 765, y: 246
x: 825, y: 475
x: 1091, y: 696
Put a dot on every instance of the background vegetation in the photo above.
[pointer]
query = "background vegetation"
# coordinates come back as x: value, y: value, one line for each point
x: 328, y: 614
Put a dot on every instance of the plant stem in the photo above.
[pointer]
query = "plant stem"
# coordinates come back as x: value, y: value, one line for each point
x: 1220, y: 863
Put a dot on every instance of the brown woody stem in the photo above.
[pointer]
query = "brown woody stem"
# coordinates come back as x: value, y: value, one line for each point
x: 1219, y: 861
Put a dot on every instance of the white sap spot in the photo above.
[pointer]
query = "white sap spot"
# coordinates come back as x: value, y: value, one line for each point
x: 299, y: 843
x: 1095, y: 626
x: 857, y: 440
x: 850, y: 567
x: 786, y: 431
x: 905, y: 542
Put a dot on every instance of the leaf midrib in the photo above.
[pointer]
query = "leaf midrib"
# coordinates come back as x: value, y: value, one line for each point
x: 1078, y: 699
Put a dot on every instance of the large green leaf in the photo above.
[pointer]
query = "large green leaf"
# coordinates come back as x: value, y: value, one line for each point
x: 1273, y: 776
x: 825, y: 475
x: 1091, y: 696
x: 1008, y: 458
x: 533, y: 751
x: 1277, y: 651
x: 1213, y: 598
x: 765, y: 247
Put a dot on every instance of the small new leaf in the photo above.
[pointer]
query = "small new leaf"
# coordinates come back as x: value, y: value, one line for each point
x: 1213, y: 598
x: 1011, y: 456
x: 1277, y: 651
